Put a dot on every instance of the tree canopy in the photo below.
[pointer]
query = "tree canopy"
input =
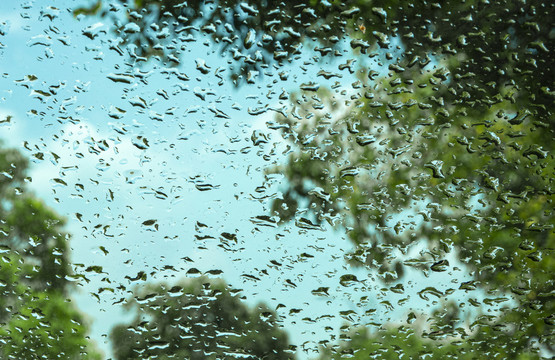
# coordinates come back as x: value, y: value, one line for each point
x: 453, y: 148
x: 37, y: 318
x: 198, y: 318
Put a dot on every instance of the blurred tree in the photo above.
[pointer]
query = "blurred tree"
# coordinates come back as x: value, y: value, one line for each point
x: 37, y: 320
x: 455, y: 152
x: 260, y: 32
x: 441, y: 336
x: 407, y: 164
x: 255, y: 34
x: 197, y: 319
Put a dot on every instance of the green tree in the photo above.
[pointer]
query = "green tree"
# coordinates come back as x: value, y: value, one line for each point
x: 255, y: 34
x: 260, y: 32
x: 440, y: 336
x: 399, y: 168
x: 37, y: 319
x: 454, y: 148
x: 197, y: 319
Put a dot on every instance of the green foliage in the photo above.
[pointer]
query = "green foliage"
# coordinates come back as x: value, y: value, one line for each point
x: 485, y: 33
x: 404, y: 343
x: 454, y: 151
x: 37, y: 321
x: 43, y: 325
x: 398, y: 170
x: 197, y: 319
x: 27, y: 225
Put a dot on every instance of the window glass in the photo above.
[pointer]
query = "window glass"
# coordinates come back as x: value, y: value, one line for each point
x: 277, y: 180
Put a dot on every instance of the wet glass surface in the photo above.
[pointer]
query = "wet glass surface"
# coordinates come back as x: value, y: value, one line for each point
x: 263, y: 180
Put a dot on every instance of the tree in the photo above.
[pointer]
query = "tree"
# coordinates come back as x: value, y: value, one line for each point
x: 259, y: 32
x: 197, y: 319
x: 412, y: 341
x: 253, y: 36
x: 456, y: 152
x: 37, y: 320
